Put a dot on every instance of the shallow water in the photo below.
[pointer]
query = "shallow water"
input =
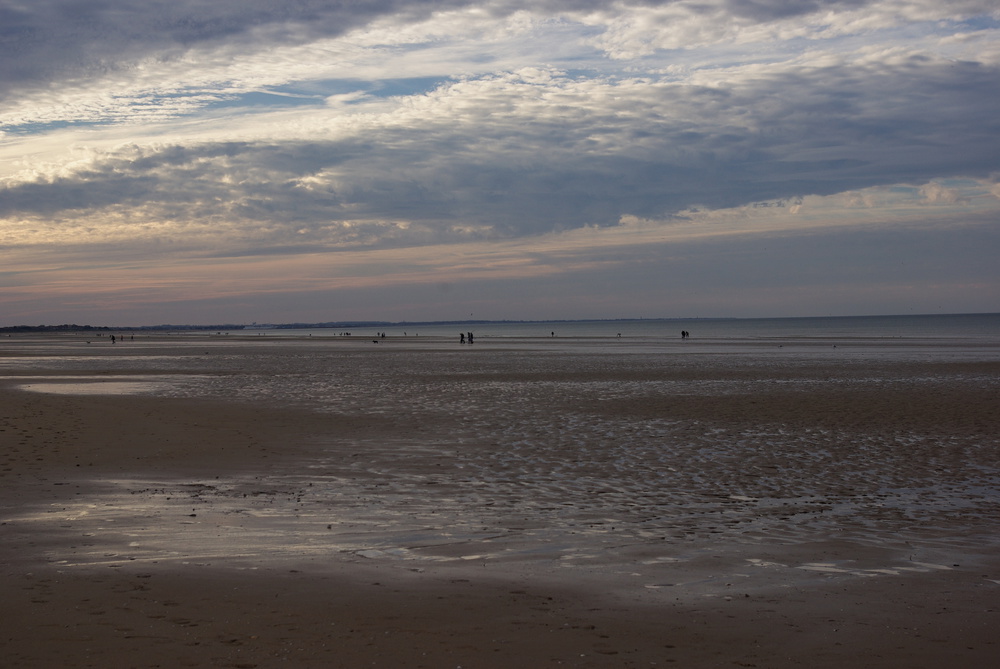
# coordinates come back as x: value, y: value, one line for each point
x: 95, y: 386
x: 943, y: 327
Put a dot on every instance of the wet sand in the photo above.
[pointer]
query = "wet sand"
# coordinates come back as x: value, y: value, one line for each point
x: 805, y: 513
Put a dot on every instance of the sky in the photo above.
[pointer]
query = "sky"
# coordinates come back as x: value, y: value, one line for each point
x: 239, y: 161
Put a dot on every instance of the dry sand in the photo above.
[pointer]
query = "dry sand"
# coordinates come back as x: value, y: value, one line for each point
x: 205, y: 571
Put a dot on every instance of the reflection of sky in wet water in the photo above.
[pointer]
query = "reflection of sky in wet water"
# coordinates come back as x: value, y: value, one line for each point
x: 314, y: 519
x: 101, y: 386
x: 514, y: 455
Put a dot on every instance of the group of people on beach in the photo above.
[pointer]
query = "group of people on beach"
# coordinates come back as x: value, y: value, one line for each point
x: 685, y: 334
x: 462, y: 336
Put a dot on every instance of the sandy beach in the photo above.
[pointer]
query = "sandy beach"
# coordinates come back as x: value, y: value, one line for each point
x: 232, y: 503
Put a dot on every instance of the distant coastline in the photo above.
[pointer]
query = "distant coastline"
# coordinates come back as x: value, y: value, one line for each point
x: 72, y: 327
x: 323, y: 325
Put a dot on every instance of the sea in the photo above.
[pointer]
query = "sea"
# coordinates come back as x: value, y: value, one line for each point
x: 982, y: 327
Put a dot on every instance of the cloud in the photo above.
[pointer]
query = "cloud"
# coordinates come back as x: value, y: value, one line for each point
x: 740, y: 262
x: 190, y: 131
x: 50, y: 39
x: 67, y: 61
x: 936, y: 193
x: 652, y: 27
x: 539, y: 150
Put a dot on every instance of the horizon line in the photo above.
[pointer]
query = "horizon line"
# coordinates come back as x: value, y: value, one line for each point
x: 361, y: 323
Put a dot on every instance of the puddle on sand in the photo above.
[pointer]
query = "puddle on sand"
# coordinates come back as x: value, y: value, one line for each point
x: 94, y: 387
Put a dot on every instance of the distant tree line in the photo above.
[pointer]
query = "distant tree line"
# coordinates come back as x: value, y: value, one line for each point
x: 53, y: 328
x: 73, y: 327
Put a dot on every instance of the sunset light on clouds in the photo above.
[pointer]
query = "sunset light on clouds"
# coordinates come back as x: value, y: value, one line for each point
x: 238, y: 161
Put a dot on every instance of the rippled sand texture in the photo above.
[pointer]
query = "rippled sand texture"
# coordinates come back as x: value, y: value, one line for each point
x: 661, y: 473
